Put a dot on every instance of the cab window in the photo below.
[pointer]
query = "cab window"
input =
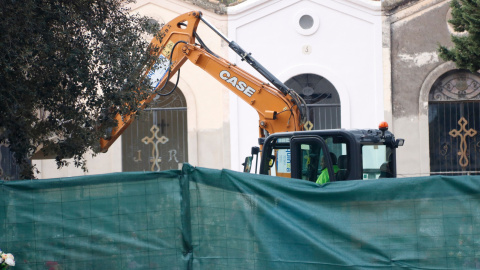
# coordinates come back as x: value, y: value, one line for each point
x: 339, y: 156
x: 312, y: 158
x: 279, y: 158
x: 312, y: 162
x: 377, y: 162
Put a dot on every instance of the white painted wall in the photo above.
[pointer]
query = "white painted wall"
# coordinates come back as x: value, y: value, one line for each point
x: 346, y: 48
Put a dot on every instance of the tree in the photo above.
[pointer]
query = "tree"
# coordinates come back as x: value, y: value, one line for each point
x: 62, y: 63
x: 466, y: 50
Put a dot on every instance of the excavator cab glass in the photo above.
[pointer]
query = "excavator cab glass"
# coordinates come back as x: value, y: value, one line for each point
x: 301, y: 157
x: 311, y: 159
x: 378, y: 161
x: 276, y: 157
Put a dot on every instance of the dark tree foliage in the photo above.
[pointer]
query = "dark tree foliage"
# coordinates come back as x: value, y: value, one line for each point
x: 466, y: 52
x: 62, y: 63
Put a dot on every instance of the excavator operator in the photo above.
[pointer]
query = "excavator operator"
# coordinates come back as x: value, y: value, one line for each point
x: 323, y: 177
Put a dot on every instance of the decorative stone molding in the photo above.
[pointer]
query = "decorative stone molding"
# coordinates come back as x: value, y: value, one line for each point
x: 216, y: 6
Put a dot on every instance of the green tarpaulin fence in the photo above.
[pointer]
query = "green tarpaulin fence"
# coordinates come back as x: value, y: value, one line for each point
x: 210, y: 219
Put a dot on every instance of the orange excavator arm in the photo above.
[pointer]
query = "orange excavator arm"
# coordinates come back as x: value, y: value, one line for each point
x: 279, y: 108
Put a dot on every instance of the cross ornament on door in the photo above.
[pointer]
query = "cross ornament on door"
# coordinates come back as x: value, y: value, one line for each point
x: 155, y: 140
x: 463, y: 161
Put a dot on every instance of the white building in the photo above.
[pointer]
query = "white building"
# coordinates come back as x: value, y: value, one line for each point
x: 336, y: 40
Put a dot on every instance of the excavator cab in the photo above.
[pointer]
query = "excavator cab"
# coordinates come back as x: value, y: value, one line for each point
x: 331, y: 155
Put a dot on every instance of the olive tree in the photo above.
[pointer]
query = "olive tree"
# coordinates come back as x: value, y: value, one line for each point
x: 466, y: 50
x: 67, y: 67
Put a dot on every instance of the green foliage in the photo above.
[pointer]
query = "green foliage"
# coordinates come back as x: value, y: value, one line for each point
x: 466, y: 52
x: 62, y: 63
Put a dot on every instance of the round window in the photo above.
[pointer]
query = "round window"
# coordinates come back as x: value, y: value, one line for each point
x: 306, y: 22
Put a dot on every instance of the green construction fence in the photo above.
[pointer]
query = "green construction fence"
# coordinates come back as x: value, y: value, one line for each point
x: 198, y: 218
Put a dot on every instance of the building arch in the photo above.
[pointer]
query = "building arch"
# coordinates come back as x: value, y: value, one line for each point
x: 454, y: 123
x: 158, y: 138
x: 322, y: 99
x: 333, y: 78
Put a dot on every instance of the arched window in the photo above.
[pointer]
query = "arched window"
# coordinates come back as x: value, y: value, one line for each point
x: 157, y: 139
x: 454, y: 124
x: 322, y: 100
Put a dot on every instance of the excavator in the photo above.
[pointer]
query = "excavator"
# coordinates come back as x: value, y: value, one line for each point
x: 287, y: 149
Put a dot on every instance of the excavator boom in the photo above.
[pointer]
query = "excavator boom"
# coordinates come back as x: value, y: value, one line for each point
x: 279, y: 108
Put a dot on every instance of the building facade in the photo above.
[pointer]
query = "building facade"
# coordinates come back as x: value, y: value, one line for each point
x: 329, y: 51
x: 434, y: 104
x: 355, y: 62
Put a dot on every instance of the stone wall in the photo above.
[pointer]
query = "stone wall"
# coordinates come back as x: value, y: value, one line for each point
x: 415, y: 30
